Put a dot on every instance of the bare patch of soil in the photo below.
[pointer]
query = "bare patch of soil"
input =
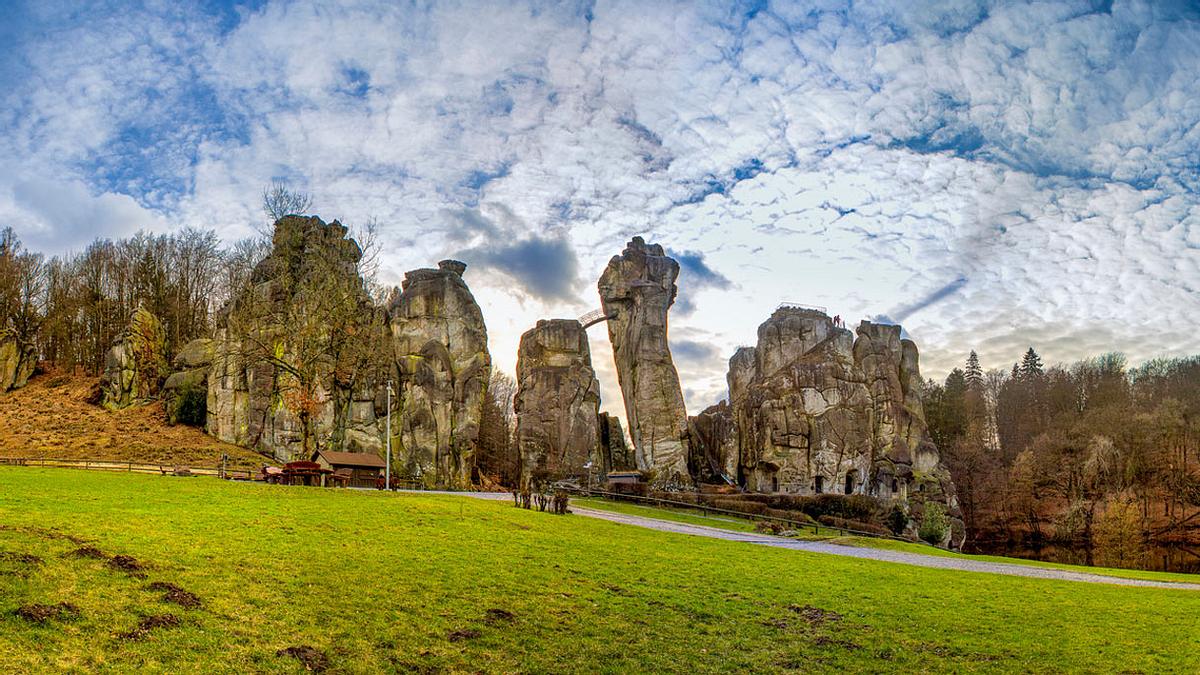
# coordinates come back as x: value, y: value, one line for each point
x: 51, y: 417
x: 495, y: 615
x: 175, y: 594
x: 463, y: 634
x: 45, y: 533
x: 151, y: 623
x: 89, y: 552
x: 127, y: 564
x: 314, y: 660
x: 36, y: 613
x: 815, y: 616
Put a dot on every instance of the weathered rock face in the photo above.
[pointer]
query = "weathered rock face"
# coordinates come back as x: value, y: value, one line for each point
x: 615, y: 453
x: 802, y: 408
x: 442, y: 360
x: 713, y: 443
x: 637, y: 289
x: 890, y: 365
x: 820, y: 411
x: 253, y: 399
x: 557, y: 403
x: 192, y: 366
x: 17, y: 362
x: 136, y: 365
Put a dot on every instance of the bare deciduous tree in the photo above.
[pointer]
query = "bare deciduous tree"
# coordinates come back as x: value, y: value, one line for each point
x: 279, y: 200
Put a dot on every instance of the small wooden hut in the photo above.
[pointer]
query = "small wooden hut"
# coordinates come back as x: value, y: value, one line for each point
x: 364, y: 467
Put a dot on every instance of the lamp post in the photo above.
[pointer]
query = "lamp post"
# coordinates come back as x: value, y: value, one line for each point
x: 387, y: 476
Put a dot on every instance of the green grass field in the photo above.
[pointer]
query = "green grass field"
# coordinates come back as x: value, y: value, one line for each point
x: 430, y: 583
x: 695, y: 517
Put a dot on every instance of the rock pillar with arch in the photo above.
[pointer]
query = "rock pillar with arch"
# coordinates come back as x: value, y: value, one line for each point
x: 637, y: 290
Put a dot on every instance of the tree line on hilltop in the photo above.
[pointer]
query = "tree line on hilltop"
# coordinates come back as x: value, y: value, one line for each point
x: 1096, y: 456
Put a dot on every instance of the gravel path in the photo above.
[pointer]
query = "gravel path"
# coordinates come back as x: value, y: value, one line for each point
x: 901, y: 557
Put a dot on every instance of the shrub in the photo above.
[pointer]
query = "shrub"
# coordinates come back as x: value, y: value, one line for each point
x: 191, y: 406
x: 1119, y: 537
x: 934, y: 524
x: 847, y: 524
x: 798, y: 516
x: 896, y: 519
x: 741, y: 506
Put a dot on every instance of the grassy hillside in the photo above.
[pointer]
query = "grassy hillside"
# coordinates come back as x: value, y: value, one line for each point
x: 376, y: 582
x: 52, y: 418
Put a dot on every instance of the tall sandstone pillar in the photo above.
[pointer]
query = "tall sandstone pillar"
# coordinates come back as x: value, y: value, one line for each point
x: 442, y: 364
x: 637, y: 290
x: 557, y: 403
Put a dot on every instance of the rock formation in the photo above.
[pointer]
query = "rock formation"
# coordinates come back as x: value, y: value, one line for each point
x: 17, y: 361
x: 712, y: 436
x: 294, y: 352
x: 192, y: 366
x: 135, y: 366
x: 637, y: 290
x: 818, y: 411
x: 557, y: 403
x: 615, y: 454
x: 440, y: 347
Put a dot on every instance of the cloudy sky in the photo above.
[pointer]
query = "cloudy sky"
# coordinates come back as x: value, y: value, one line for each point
x: 992, y: 175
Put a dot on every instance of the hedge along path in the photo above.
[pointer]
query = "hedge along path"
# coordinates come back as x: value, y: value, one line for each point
x: 901, y: 557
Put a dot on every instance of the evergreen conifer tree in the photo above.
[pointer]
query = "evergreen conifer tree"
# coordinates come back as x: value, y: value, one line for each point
x: 974, y: 373
x: 1031, y: 365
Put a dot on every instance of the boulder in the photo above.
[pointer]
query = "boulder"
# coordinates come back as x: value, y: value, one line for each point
x: 439, y: 342
x: 136, y: 365
x: 557, y: 403
x: 712, y: 436
x: 637, y: 290
x: 186, y: 390
x: 18, y: 359
x: 615, y: 454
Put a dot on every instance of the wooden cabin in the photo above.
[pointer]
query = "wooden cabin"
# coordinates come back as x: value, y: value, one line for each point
x: 364, y: 467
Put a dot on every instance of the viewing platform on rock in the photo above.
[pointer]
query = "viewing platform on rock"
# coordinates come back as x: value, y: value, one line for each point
x: 802, y: 307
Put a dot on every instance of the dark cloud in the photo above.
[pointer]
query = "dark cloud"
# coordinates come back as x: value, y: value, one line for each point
x: 694, y: 351
x: 932, y: 299
x: 545, y: 268
x: 695, y: 275
x: 698, y: 273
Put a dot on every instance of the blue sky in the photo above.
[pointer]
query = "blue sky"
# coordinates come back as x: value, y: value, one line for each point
x: 996, y: 175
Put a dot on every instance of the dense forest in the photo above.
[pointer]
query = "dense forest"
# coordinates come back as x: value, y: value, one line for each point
x: 1092, y: 462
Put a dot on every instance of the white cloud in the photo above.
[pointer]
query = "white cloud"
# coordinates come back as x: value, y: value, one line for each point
x: 866, y: 160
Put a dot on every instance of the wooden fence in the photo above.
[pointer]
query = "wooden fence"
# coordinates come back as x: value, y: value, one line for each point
x: 169, y: 469
x: 128, y: 467
x: 705, y: 510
